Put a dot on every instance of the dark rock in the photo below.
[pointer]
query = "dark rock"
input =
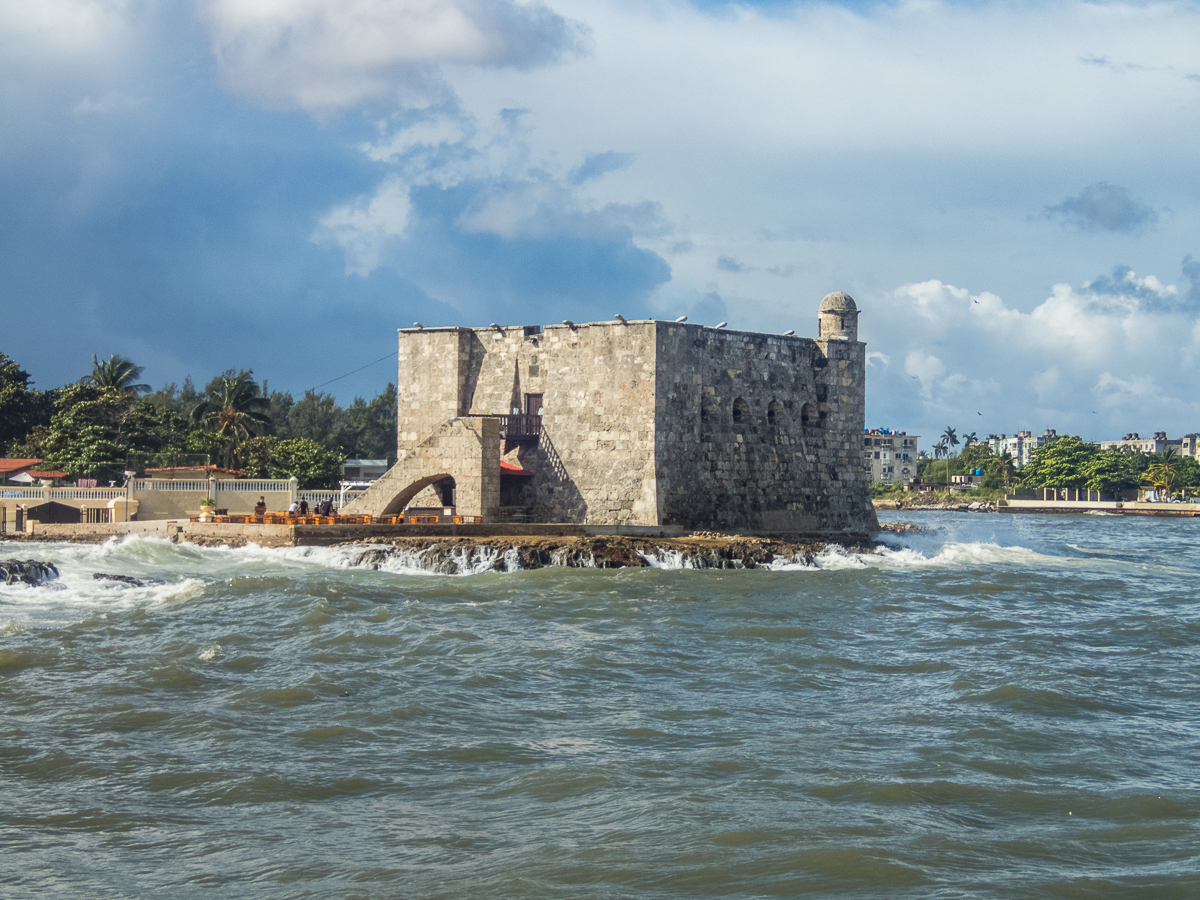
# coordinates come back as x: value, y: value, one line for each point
x: 124, y: 579
x: 27, y: 571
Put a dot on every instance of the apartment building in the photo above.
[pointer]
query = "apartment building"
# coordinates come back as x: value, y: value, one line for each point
x: 890, y: 455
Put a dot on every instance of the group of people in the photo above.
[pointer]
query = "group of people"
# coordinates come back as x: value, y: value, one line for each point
x: 324, y: 508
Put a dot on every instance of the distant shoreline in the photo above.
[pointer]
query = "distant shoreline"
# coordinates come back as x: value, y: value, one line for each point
x: 1045, y: 507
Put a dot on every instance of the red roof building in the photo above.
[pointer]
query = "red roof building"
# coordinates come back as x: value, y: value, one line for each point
x: 9, y: 468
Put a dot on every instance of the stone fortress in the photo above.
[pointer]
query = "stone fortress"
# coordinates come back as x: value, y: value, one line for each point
x: 635, y: 423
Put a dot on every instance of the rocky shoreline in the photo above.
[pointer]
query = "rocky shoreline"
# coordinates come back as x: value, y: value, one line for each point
x: 27, y: 571
x: 455, y: 555
x: 943, y: 505
x: 507, y: 554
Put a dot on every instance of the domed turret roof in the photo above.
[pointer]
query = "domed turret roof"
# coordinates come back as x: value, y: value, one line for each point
x: 837, y: 301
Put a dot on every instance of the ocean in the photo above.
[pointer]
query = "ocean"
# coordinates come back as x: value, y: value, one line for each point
x: 1001, y: 706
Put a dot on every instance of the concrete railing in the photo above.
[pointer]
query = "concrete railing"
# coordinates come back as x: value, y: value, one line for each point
x: 254, y: 486
x: 164, y: 484
x: 62, y: 493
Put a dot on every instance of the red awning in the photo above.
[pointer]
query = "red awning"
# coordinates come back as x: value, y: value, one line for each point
x: 510, y: 469
x: 33, y: 474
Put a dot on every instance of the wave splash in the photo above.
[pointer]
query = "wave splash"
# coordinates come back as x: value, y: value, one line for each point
x: 175, y: 569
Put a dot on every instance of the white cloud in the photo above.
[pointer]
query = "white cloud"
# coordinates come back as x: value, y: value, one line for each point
x: 62, y: 30
x: 327, y: 54
x: 924, y: 367
x: 363, y: 228
x: 1079, y: 361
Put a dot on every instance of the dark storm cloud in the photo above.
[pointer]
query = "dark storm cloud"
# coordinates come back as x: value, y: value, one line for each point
x: 530, y: 275
x: 1104, y: 207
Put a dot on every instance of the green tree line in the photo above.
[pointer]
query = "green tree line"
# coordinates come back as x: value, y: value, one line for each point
x: 1068, y: 462
x: 92, y: 427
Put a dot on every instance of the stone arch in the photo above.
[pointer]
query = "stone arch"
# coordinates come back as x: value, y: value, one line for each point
x: 741, y: 411
x: 404, y: 497
x: 808, y: 414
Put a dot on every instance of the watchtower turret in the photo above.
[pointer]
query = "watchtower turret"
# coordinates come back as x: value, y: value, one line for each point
x: 837, y: 318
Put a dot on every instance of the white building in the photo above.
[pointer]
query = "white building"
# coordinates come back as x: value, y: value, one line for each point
x: 1021, y: 445
x: 364, y: 469
x: 890, y: 455
x: 1135, y: 443
x: 1190, y: 445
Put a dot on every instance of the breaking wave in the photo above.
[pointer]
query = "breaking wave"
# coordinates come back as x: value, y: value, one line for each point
x: 175, y: 571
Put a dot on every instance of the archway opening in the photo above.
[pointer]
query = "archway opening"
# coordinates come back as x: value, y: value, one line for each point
x: 405, y: 497
x: 741, y: 411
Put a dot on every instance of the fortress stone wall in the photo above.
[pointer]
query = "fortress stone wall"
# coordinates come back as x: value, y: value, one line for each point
x: 654, y: 423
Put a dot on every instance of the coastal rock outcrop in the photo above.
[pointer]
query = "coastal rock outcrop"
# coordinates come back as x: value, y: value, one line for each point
x: 456, y: 556
x: 124, y: 579
x: 27, y: 571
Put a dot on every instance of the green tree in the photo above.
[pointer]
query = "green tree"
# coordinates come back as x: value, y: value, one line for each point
x: 116, y: 372
x: 313, y: 465
x: 1059, y: 464
x: 370, y: 429
x: 232, y: 409
x: 279, y: 408
x: 255, y: 455
x: 1111, y: 471
x: 21, y: 407
x: 317, y: 416
x: 1189, y: 472
x: 90, y: 433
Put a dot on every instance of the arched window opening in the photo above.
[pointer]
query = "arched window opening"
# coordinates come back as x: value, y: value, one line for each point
x: 808, y: 414
x: 772, y: 413
x: 741, y: 411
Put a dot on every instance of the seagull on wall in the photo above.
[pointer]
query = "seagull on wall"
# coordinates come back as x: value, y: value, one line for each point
x: 720, y: 324
x: 681, y: 320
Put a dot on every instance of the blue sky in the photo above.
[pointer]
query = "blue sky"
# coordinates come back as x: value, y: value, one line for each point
x: 1007, y: 189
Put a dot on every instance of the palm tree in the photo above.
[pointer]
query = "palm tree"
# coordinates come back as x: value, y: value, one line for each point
x: 1163, y: 473
x: 233, y: 410
x: 949, y: 439
x: 116, y: 372
x: 1004, y: 467
x: 969, y: 439
x: 939, y: 450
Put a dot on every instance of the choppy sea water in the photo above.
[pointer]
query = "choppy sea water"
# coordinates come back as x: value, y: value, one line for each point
x: 1006, y: 706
